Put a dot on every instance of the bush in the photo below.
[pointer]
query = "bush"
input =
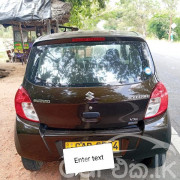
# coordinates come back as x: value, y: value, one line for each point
x: 177, y: 29
x: 159, y: 26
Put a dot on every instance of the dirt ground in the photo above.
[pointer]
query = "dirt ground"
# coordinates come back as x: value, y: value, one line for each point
x: 10, y: 165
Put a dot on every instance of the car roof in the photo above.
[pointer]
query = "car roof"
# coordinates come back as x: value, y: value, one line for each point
x: 78, y: 34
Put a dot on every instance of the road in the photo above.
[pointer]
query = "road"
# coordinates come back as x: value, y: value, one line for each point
x: 167, y: 60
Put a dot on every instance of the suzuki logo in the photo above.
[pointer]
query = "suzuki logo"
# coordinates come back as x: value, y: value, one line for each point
x: 89, y: 96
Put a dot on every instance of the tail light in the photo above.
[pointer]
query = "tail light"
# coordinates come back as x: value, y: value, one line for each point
x: 158, y: 102
x: 24, y: 107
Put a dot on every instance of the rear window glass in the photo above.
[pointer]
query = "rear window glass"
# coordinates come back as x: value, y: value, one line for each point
x: 89, y: 64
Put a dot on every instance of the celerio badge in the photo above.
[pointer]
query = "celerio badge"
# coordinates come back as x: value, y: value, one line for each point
x: 41, y: 101
x: 89, y: 96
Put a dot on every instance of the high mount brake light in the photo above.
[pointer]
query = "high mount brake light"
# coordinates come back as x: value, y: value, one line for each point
x: 88, y: 39
x: 24, y: 107
x: 158, y: 102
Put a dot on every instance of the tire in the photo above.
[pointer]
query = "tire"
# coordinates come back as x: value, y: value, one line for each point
x: 156, y: 161
x: 31, y: 165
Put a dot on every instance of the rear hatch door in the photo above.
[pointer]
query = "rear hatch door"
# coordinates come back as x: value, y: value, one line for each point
x: 90, y: 85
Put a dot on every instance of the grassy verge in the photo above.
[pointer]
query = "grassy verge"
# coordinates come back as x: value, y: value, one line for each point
x: 3, y: 57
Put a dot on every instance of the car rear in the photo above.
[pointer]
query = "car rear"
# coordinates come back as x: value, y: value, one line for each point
x: 88, y: 90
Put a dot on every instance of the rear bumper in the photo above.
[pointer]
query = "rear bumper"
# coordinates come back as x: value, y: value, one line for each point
x: 34, y: 142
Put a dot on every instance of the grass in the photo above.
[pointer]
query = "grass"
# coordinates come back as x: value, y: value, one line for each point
x: 3, y: 57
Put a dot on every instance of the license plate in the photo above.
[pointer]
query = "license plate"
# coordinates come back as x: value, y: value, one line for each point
x: 115, y: 144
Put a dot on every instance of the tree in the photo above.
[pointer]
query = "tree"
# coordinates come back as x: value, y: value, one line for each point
x: 159, y: 26
x: 113, y: 19
x: 171, y: 7
x: 85, y: 13
x: 137, y: 13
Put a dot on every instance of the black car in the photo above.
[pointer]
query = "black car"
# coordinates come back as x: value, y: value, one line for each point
x: 87, y: 88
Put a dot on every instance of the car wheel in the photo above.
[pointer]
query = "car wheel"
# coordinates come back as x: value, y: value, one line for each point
x: 156, y: 161
x: 31, y: 165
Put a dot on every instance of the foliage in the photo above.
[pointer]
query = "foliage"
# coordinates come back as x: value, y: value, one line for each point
x: 134, y: 15
x: 85, y: 13
x: 113, y: 19
x: 6, y: 32
x: 171, y: 7
x: 159, y: 26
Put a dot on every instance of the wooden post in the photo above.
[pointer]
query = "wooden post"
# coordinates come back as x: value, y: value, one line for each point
x: 22, y: 39
x: 30, y: 36
x: 48, y: 26
x: 21, y: 32
x: 57, y: 26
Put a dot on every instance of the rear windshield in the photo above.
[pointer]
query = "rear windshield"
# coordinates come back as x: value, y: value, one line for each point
x: 89, y: 64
